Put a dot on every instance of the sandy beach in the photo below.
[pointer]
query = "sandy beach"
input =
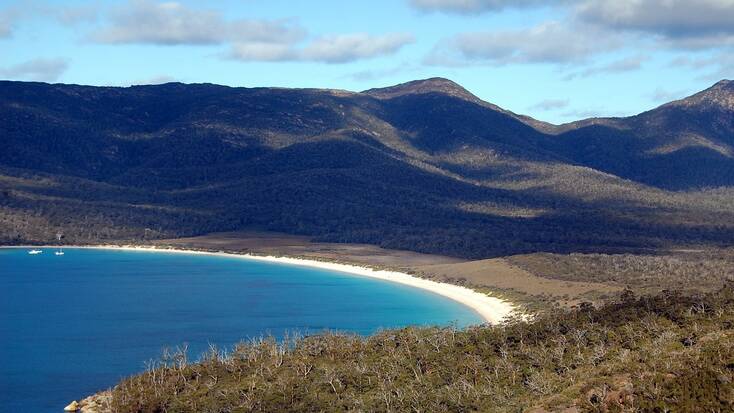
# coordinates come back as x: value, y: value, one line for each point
x: 493, y: 310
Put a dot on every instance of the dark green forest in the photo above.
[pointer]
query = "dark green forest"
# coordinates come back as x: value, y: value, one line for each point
x: 424, y: 166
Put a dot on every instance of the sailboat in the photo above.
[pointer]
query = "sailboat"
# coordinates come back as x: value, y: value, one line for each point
x: 60, y: 251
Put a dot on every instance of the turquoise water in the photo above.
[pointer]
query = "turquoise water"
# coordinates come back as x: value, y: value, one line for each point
x: 74, y: 324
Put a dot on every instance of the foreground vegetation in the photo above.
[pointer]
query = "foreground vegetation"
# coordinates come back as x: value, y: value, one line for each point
x: 690, y: 271
x: 655, y: 353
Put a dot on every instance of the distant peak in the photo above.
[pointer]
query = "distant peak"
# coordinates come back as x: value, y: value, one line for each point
x: 720, y: 95
x: 448, y: 87
x: 723, y: 84
x: 440, y: 83
x: 415, y: 87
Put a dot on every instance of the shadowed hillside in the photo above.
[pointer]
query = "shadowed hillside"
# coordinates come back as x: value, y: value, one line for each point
x: 425, y: 166
x: 684, y: 144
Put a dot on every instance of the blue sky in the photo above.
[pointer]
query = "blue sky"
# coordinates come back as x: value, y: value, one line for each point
x: 556, y: 60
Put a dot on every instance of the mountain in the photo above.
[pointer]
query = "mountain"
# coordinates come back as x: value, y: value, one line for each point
x: 681, y: 145
x: 425, y: 166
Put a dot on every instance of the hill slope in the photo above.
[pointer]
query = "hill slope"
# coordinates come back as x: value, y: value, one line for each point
x: 425, y: 166
x: 684, y: 144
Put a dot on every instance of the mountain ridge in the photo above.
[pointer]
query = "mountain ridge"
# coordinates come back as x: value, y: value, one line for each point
x: 724, y: 87
x: 424, y: 165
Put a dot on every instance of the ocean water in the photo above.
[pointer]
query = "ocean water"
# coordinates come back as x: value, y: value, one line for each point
x: 75, y: 324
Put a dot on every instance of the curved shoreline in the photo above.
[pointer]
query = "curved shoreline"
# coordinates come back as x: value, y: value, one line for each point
x: 493, y: 310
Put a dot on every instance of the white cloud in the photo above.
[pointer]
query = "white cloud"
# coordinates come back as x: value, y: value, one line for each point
x: 680, y: 23
x: 263, y: 52
x: 672, y: 17
x: 550, y: 104
x: 43, y: 70
x: 549, y: 42
x: 5, y: 30
x: 718, y: 66
x: 349, y: 47
x: 590, y: 29
x: 8, y: 17
x: 627, y: 64
x: 172, y: 23
x: 476, y: 6
x: 66, y: 15
x: 328, y: 49
x: 73, y: 15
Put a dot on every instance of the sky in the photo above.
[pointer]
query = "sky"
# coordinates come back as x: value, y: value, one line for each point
x: 557, y: 61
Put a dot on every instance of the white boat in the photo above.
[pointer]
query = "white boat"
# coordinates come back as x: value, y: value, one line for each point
x: 34, y: 252
x: 59, y: 252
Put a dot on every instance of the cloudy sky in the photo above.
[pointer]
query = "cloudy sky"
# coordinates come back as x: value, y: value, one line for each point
x: 555, y: 60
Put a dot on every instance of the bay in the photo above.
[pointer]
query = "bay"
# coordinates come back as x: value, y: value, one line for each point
x: 75, y: 324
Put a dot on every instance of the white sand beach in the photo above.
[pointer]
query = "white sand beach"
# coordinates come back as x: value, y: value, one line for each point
x: 493, y: 310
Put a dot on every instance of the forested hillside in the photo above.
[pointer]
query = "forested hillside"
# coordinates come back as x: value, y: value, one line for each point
x: 424, y: 166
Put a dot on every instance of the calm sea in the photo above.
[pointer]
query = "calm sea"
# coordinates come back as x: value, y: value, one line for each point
x: 74, y: 324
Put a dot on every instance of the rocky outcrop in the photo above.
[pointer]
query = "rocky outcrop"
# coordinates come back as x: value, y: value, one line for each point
x: 96, y: 403
x: 72, y: 407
